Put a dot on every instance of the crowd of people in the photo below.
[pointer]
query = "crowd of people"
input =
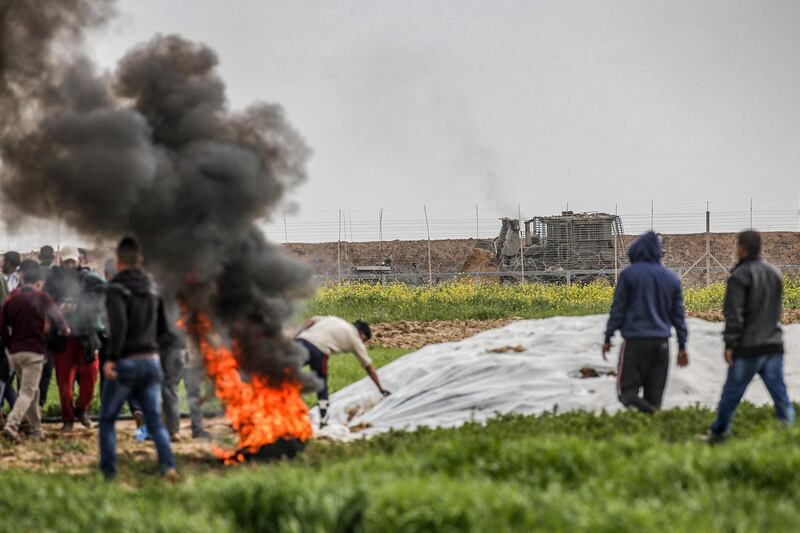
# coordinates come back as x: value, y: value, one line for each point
x: 61, y: 316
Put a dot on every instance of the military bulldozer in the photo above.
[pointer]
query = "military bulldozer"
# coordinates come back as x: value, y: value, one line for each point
x: 588, y: 244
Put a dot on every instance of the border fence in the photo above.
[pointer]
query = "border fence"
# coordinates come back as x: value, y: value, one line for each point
x: 699, y: 240
x: 428, y: 244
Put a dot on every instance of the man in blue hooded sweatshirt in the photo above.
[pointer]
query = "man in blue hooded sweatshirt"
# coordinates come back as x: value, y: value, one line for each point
x: 648, y: 303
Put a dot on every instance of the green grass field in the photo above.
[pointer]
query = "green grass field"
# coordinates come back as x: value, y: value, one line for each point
x: 571, y: 472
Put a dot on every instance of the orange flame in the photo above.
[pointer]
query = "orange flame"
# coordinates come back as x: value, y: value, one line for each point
x: 259, y: 413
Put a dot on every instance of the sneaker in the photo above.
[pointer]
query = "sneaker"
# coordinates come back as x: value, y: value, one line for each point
x: 67, y: 427
x: 83, y: 418
x: 171, y: 475
x: 138, y: 417
x: 712, y: 438
x: 201, y: 434
x: 12, y: 435
x: 38, y: 435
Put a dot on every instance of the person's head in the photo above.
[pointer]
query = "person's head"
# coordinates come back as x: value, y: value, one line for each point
x: 46, y: 255
x: 364, y: 330
x: 110, y: 268
x: 83, y: 257
x: 748, y: 244
x: 69, y: 258
x: 129, y: 254
x: 30, y: 274
x: 11, y: 261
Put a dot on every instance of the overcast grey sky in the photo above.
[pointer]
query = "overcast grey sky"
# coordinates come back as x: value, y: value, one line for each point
x: 453, y: 103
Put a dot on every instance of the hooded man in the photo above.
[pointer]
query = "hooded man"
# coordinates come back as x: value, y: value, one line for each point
x: 648, y: 303
x: 136, y: 321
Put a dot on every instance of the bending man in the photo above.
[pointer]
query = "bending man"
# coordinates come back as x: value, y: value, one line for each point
x: 648, y: 302
x: 324, y: 336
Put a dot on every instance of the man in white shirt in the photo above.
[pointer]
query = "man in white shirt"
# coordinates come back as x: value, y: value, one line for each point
x: 11, y: 262
x: 323, y: 336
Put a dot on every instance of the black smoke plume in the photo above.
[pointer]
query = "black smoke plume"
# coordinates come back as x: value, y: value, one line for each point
x: 153, y: 150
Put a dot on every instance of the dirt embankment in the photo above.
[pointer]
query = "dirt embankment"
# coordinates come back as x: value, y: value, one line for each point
x: 790, y: 316
x: 412, y: 335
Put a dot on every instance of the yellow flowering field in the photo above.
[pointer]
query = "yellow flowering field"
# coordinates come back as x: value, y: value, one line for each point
x: 468, y: 300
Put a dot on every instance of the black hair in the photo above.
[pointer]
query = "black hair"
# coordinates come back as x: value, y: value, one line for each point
x: 31, y: 272
x: 364, y: 328
x: 128, y: 251
x: 12, y: 258
x: 751, y: 242
x: 46, y: 253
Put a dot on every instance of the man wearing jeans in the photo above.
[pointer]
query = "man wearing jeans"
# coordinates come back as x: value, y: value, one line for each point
x: 753, y: 335
x: 133, y: 369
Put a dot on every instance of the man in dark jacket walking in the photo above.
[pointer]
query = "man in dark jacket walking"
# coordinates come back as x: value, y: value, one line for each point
x: 753, y: 335
x: 136, y: 320
x: 648, y: 303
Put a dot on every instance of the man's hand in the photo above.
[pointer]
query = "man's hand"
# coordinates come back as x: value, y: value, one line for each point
x: 385, y: 393
x: 683, y: 358
x: 606, y: 349
x: 729, y: 356
x: 110, y: 370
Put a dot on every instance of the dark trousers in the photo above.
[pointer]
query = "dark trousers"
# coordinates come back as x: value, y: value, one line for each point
x: 9, y: 393
x: 643, y: 365
x: 318, y: 362
x: 47, y: 376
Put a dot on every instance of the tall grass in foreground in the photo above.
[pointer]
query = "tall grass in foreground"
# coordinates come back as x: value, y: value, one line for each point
x: 468, y: 300
x: 571, y: 472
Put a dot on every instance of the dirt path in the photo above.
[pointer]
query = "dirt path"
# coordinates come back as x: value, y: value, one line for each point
x: 77, y: 452
x: 412, y: 335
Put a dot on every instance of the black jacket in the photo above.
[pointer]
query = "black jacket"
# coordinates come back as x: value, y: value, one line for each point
x: 136, y: 317
x: 753, y: 303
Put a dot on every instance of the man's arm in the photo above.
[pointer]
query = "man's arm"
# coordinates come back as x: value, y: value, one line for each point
x: 733, y: 309
x: 162, y: 324
x: 55, y: 315
x: 678, y: 319
x: 4, y: 338
x: 360, y: 351
x: 616, y: 316
x: 117, y: 315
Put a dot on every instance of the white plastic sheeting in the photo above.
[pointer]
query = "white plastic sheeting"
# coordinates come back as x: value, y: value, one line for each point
x: 537, y: 369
